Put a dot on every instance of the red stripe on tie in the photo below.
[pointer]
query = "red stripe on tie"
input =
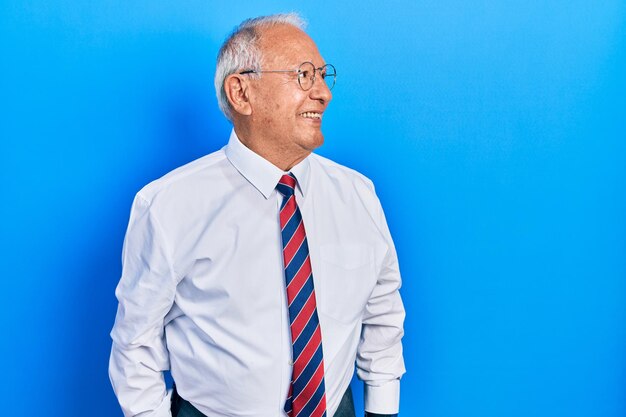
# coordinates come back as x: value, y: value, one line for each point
x: 305, y: 395
x: 321, y: 407
x: 287, y: 212
x: 294, y: 244
x: 298, y: 324
x: 298, y: 280
x: 299, y: 231
x: 288, y: 180
x: 307, y: 353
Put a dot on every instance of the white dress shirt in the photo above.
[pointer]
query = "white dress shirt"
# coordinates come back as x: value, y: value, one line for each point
x: 202, y: 291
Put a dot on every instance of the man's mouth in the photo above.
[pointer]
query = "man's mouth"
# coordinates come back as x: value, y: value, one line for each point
x: 311, y: 115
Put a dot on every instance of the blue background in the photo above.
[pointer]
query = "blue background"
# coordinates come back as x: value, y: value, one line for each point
x: 494, y: 131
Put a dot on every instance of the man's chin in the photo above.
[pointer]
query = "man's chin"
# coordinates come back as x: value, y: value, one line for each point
x: 309, y: 142
x: 317, y: 141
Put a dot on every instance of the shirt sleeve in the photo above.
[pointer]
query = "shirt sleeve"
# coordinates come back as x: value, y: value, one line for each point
x: 145, y: 293
x: 379, y: 361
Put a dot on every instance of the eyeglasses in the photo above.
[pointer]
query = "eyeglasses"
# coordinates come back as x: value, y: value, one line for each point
x: 306, y: 74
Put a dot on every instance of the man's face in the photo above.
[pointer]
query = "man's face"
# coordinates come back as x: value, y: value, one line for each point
x: 286, y: 117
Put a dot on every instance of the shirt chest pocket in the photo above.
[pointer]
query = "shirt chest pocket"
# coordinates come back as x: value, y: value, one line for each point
x: 346, y: 279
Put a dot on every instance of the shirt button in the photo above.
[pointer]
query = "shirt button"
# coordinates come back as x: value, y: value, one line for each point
x: 290, y: 362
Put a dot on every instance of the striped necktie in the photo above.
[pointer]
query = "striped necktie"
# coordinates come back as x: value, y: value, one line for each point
x: 307, y: 397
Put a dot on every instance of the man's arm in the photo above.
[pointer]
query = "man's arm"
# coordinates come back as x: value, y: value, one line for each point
x: 379, y: 356
x: 145, y: 293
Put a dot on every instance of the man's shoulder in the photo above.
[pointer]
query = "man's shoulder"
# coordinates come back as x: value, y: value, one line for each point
x: 184, y: 177
x: 342, y: 174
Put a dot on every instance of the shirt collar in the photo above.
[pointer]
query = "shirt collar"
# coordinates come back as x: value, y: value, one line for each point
x: 260, y: 172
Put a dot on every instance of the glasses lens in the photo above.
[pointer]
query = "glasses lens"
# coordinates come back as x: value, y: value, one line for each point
x: 306, y: 75
x: 329, y: 74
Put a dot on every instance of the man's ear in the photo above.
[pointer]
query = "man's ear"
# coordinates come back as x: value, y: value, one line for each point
x: 237, y: 91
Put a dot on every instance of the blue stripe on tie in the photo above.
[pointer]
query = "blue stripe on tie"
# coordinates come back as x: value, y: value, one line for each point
x: 310, y: 369
x: 284, y: 189
x: 314, y: 401
x: 297, y: 261
x: 300, y: 300
x: 305, y: 335
x: 291, y: 226
x: 288, y: 405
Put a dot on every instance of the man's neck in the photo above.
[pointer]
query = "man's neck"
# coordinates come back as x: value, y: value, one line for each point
x: 285, y: 159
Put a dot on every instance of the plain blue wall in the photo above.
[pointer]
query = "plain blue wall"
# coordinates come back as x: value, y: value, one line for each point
x: 494, y: 131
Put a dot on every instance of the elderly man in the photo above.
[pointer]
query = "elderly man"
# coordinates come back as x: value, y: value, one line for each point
x: 254, y: 314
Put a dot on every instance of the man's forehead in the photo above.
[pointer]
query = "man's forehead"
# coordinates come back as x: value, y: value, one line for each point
x: 286, y: 44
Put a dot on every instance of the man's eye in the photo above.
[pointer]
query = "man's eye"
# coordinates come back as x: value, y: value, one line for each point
x: 304, y: 74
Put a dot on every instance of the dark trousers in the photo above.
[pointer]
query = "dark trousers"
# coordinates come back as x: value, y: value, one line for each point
x: 183, y: 408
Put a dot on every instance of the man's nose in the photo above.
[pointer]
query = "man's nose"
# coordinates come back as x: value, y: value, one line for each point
x: 320, y: 91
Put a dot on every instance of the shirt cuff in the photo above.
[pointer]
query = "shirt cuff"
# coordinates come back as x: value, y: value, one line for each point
x: 382, y: 399
x: 164, y: 409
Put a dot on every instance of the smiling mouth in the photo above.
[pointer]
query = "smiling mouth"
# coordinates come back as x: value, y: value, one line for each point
x: 311, y: 115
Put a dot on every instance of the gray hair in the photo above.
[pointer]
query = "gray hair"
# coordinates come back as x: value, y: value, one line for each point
x: 240, y: 51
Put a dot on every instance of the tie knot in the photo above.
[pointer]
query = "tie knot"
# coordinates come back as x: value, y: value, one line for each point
x: 286, y: 185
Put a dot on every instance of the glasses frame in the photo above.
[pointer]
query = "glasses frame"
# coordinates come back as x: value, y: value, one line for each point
x: 299, y: 71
